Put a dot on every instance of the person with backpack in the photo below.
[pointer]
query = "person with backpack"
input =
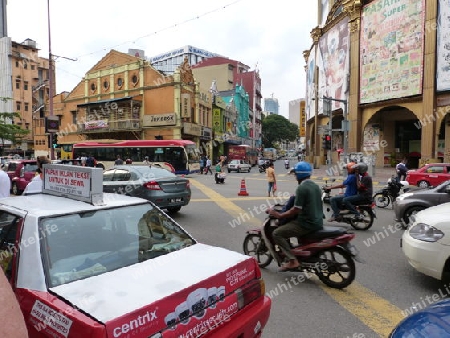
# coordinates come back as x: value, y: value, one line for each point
x: 90, y: 161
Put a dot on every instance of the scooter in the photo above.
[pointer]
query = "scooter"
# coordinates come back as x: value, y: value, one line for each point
x: 262, y: 168
x: 220, y: 178
x: 390, y: 192
x: 286, y: 165
x: 366, y: 210
x: 328, y: 252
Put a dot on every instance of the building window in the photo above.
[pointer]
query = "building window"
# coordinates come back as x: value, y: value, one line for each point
x: 18, y: 106
x: 74, y: 116
x: 119, y: 82
x: 25, y: 65
x: 25, y: 85
x: 93, y: 87
x: 134, y: 79
x: 33, y: 67
x: 17, y: 84
x: 17, y: 64
x: 105, y: 84
x: 26, y: 106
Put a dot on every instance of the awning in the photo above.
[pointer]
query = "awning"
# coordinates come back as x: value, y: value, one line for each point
x: 414, y: 154
x: 126, y: 98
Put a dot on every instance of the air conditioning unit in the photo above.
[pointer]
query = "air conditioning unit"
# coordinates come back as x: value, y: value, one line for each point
x: 135, y: 125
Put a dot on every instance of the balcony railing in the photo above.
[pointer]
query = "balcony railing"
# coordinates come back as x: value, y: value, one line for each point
x: 107, y: 126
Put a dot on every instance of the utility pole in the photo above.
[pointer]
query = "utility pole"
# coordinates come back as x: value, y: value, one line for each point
x: 50, y: 75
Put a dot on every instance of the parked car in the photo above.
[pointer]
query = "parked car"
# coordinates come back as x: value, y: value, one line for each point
x: 426, y: 243
x: 409, y: 203
x: 431, y: 174
x: 21, y: 172
x: 83, y: 263
x: 239, y: 166
x: 158, y: 185
x: 431, y: 321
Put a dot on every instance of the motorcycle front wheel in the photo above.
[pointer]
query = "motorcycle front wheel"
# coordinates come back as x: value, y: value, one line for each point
x: 254, y: 246
x: 381, y: 200
x: 365, y: 223
x: 336, y: 267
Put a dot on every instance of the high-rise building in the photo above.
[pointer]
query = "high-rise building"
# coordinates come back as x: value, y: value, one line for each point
x: 169, y: 61
x: 271, y: 105
x: 3, y: 21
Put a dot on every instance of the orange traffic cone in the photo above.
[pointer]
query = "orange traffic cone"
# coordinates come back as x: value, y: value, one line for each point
x: 243, y: 191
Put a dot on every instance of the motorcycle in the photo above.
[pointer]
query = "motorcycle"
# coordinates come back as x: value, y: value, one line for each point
x: 328, y: 252
x: 287, y: 165
x: 262, y: 167
x: 366, y: 210
x: 390, y: 192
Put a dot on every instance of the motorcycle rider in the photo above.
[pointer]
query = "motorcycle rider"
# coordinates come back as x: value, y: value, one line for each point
x: 351, y: 189
x: 286, y: 163
x: 365, y: 190
x: 308, y: 209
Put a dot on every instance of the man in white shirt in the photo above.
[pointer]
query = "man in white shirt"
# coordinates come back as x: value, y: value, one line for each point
x: 5, y: 182
x: 35, y: 185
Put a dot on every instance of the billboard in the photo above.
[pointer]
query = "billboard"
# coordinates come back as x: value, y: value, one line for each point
x: 310, y: 85
x: 391, y: 49
x: 333, y: 62
x: 443, y: 47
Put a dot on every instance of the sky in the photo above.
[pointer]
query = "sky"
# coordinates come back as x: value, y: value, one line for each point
x: 269, y: 35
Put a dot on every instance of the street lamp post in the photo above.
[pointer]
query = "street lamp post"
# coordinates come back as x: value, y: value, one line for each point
x: 50, y: 75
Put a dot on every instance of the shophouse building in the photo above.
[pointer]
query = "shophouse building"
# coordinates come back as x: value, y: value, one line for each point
x: 24, y: 83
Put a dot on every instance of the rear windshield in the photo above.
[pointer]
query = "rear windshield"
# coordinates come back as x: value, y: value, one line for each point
x: 86, y: 244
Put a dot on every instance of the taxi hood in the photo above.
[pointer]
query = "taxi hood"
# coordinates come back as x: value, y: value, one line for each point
x: 150, y: 296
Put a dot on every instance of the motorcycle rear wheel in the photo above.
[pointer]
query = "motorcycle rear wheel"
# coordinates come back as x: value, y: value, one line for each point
x: 381, y: 201
x: 365, y: 223
x: 336, y: 267
x: 254, y: 246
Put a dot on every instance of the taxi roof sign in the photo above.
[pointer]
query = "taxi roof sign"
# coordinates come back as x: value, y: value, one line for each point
x: 75, y: 182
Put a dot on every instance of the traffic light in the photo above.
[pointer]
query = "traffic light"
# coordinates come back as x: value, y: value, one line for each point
x: 55, y: 141
x: 326, y: 142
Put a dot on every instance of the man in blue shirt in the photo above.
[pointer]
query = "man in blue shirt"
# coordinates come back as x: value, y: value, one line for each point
x: 350, y: 190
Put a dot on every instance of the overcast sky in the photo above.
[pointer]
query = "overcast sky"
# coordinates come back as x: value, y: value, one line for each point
x: 271, y: 34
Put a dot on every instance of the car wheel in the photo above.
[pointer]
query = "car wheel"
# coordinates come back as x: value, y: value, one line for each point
x: 249, y: 169
x: 423, y: 184
x: 411, y: 212
x: 15, y: 189
x: 229, y: 171
x: 172, y: 210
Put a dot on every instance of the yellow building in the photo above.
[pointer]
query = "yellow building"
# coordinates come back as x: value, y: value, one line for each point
x: 123, y: 97
x: 384, y: 66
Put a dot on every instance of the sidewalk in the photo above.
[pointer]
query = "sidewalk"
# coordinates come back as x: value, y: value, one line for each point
x: 380, y: 176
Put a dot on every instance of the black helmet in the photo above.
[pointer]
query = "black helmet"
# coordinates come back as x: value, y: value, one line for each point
x: 361, y: 167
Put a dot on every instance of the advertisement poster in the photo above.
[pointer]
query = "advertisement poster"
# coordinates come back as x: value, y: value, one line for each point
x: 443, y: 47
x: 334, y: 64
x: 391, y: 49
x: 217, y: 126
x: 371, y: 139
x: 310, y: 85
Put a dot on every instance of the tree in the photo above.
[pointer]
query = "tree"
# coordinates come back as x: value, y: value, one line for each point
x: 276, y: 129
x: 8, y: 131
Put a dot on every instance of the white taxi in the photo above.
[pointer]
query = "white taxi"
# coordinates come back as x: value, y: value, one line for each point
x: 87, y: 264
x: 426, y: 243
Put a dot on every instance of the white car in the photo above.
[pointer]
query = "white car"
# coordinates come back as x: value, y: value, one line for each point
x: 426, y: 243
x: 238, y: 166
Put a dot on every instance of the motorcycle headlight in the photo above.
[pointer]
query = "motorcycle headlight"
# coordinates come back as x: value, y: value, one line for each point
x: 403, y: 196
x: 425, y: 232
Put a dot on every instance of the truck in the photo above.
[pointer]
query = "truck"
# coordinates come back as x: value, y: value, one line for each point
x: 270, y: 153
x: 243, y: 152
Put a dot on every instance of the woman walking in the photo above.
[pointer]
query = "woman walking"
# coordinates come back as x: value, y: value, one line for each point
x: 271, y: 180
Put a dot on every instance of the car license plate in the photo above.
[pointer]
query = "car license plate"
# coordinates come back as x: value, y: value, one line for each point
x: 175, y: 200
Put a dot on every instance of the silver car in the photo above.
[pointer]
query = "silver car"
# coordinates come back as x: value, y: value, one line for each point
x: 410, y: 203
x: 157, y: 185
x: 238, y: 166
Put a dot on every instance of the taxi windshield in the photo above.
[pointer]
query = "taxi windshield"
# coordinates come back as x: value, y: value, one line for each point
x: 91, y: 243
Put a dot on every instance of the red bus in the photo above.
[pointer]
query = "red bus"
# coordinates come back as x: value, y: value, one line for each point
x: 243, y: 152
x: 181, y: 155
